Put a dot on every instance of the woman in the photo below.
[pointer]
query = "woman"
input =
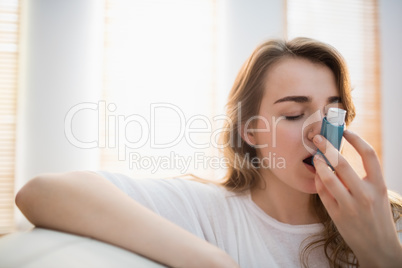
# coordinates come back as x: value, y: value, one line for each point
x: 265, y: 213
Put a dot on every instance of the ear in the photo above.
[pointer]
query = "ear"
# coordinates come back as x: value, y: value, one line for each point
x: 248, y: 135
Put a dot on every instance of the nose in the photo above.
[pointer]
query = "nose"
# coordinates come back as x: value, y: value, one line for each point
x: 313, y: 129
x: 312, y: 126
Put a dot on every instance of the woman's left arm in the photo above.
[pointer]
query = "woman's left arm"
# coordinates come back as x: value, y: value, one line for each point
x: 358, y: 206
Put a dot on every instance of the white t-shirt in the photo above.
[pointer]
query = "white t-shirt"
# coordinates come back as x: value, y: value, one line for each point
x: 232, y: 222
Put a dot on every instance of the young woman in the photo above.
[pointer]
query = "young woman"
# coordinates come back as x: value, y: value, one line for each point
x: 265, y: 213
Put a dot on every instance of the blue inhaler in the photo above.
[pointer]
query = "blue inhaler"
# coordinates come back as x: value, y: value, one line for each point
x: 332, y: 129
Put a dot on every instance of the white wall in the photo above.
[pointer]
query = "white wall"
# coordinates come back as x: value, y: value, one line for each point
x: 390, y: 16
x: 61, y: 62
x: 245, y: 24
x: 61, y: 65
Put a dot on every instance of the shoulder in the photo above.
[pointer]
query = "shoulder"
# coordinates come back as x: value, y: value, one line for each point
x: 197, y: 192
x: 174, y: 188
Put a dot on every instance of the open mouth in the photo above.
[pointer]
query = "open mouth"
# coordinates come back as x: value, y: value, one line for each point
x: 309, y: 160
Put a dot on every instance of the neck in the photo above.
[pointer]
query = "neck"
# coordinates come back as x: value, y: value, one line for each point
x: 283, y: 202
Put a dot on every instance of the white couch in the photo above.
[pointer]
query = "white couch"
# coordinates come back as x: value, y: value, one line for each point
x: 42, y: 248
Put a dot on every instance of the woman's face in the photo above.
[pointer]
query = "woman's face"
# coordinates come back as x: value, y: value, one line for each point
x: 297, y: 94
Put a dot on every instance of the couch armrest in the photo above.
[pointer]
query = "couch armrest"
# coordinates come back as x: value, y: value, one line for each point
x: 40, y: 248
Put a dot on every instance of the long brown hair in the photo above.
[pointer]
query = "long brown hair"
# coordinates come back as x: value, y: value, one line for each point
x: 248, y: 90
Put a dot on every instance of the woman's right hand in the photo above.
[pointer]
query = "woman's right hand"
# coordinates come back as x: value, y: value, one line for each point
x: 358, y: 206
x: 85, y: 203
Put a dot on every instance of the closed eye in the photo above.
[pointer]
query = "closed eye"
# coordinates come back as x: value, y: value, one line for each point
x: 291, y: 118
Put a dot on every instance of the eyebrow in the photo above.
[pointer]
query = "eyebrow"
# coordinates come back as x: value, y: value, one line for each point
x: 305, y: 99
x: 334, y: 99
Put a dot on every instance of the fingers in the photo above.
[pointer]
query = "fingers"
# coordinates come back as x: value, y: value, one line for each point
x: 333, y: 187
x: 326, y: 197
x: 369, y: 157
x: 343, y: 170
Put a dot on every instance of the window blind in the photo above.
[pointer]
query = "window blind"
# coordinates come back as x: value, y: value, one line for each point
x: 352, y: 28
x: 161, y: 53
x: 9, y: 37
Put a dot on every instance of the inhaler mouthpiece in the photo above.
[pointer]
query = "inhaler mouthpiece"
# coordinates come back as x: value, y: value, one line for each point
x: 336, y: 116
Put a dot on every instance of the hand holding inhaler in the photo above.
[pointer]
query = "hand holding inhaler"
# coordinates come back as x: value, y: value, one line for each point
x: 359, y: 207
x: 332, y: 129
